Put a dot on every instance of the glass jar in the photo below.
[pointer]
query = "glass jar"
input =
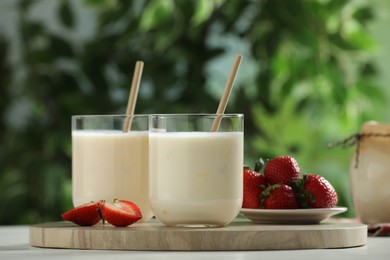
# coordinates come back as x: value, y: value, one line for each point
x: 370, y: 174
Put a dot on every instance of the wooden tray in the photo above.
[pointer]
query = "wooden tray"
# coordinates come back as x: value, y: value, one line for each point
x: 239, y: 235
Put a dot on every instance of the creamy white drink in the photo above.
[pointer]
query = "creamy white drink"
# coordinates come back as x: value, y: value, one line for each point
x: 196, y: 177
x: 110, y: 164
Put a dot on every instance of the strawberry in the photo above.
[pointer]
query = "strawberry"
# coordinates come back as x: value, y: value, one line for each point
x: 282, y: 169
x: 120, y: 213
x: 279, y: 196
x: 253, y: 182
x: 314, y: 191
x: 84, y: 215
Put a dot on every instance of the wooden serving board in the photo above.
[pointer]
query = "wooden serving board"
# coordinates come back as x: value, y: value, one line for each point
x: 239, y: 235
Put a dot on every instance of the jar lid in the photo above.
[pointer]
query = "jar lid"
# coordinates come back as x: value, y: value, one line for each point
x: 375, y: 127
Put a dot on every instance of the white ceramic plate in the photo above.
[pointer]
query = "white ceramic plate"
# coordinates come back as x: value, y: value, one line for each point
x: 290, y: 216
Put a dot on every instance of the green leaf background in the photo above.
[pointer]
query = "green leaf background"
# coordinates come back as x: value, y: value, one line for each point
x: 309, y: 77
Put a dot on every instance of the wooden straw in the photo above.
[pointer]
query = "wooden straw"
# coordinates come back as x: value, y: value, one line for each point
x: 133, y: 95
x: 226, y: 94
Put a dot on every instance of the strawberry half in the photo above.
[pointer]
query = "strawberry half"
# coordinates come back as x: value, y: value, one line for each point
x: 120, y: 213
x: 253, y: 186
x: 314, y: 191
x: 282, y: 169
x: 84, y: 215
x: 279, y: 196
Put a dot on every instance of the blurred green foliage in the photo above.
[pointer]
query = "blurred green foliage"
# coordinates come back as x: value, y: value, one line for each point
x: 307, y: 79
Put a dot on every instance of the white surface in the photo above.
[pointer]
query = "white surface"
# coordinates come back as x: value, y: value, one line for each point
x: 291, y: 216
x: 14, y: 244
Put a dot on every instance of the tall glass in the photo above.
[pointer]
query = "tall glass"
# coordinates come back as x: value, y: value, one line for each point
x: 195, y: 175
x: 109, y: 163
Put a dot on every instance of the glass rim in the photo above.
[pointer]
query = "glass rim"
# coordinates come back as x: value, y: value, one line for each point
x: 200, y: 114
x: 164, y: 114
x: 110, y: 115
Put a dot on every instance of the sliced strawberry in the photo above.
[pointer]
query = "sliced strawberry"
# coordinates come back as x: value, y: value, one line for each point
x: 120, y: 213
x: 279, y: 196
x: 84, y: 215
x: 254, y: 184
x: 282, y: 169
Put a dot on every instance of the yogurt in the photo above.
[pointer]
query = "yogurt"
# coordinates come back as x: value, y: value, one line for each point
x: 110, y: 164
x: 196, y: 177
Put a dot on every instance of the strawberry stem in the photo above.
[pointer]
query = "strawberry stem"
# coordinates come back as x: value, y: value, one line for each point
x: 267, y: 192
x: 259, y: 164
x: 300, y: 193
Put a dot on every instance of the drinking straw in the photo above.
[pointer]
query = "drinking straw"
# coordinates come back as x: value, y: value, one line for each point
x: 133, y: 95
x: 226, y: 94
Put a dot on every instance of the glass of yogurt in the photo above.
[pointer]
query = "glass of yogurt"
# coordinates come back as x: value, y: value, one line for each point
x: 195, y: 175
x: 109, y: 163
